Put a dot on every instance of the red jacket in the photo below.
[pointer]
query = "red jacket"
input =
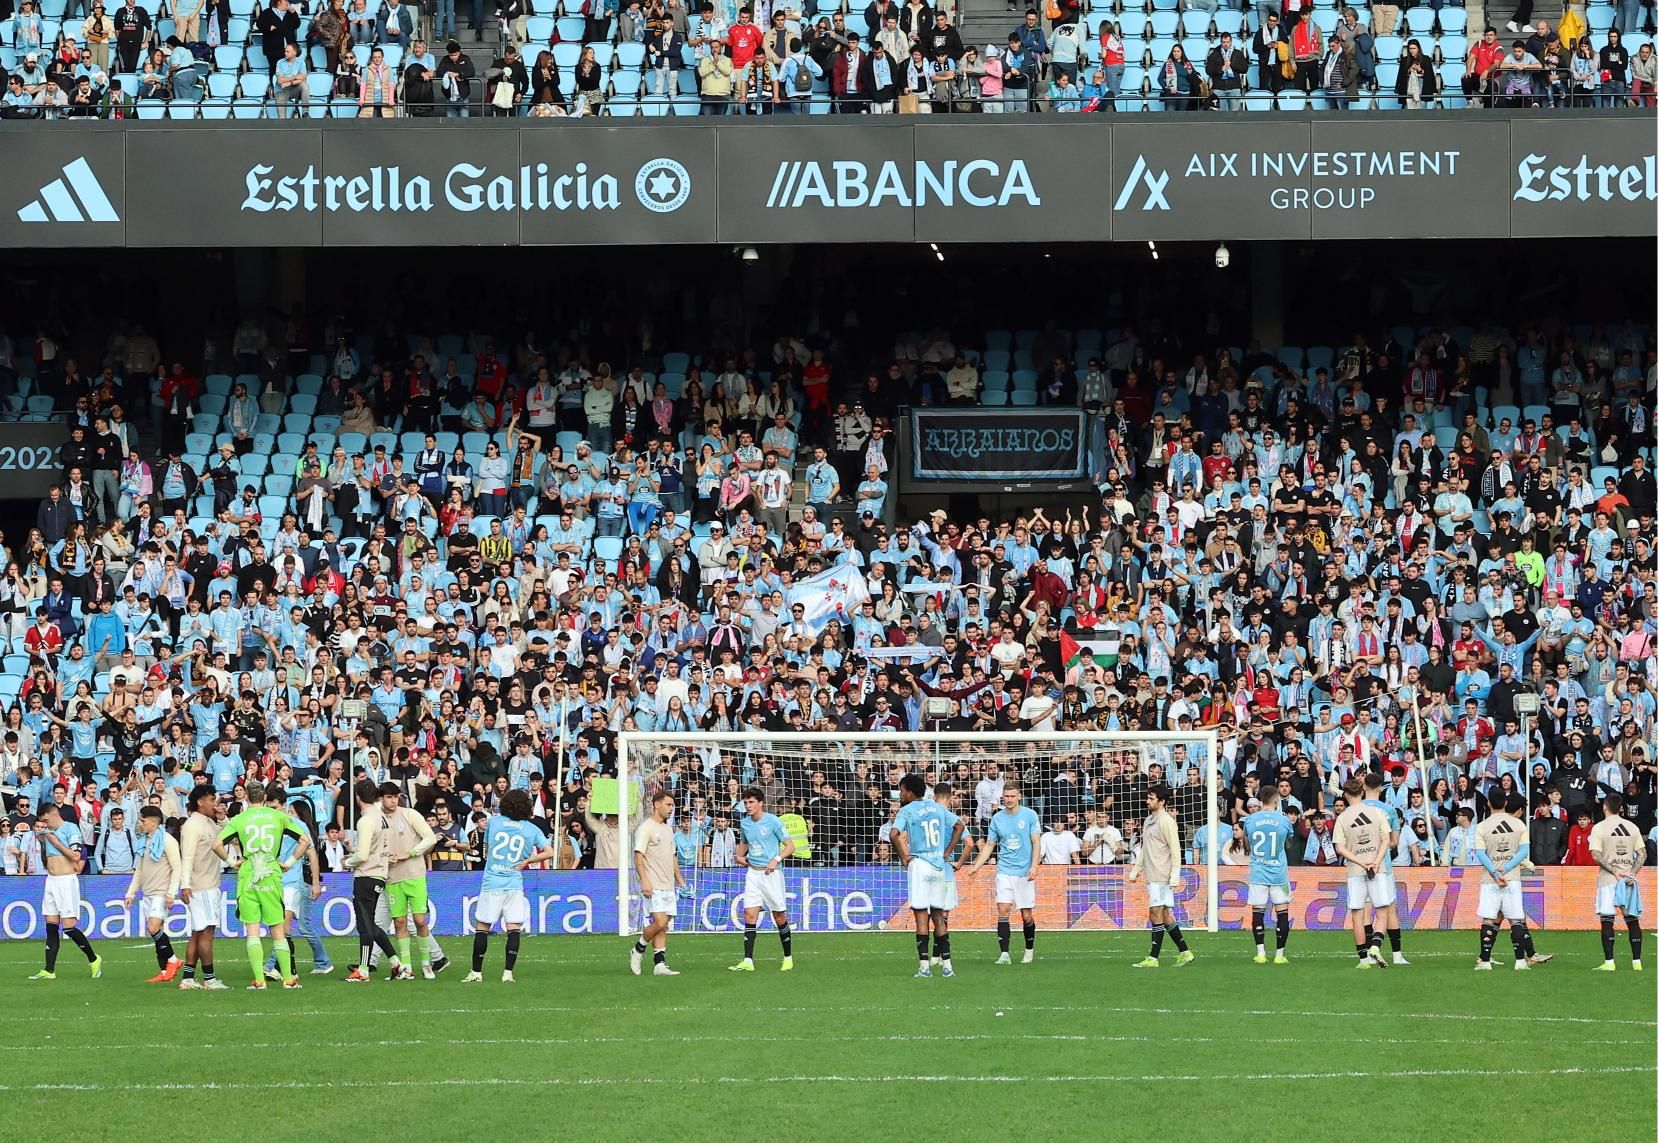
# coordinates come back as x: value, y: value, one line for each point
x: 1577, y: 847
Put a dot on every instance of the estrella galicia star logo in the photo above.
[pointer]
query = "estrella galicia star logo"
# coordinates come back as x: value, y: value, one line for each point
x: 662, y: 186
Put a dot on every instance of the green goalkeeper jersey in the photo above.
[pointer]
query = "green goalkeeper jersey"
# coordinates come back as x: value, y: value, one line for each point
x: 259, y: 831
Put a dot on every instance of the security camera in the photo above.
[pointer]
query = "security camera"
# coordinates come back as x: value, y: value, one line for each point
x: 749, y: 254
x: 1223, y: 257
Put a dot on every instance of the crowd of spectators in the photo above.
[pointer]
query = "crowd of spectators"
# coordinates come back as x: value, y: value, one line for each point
x: 465, y: 565
x: 218, y: 58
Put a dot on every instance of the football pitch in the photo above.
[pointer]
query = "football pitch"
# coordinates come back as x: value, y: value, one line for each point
x: 848, y: 1045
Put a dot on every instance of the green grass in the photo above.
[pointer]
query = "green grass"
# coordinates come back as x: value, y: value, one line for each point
x: 848, y: 1045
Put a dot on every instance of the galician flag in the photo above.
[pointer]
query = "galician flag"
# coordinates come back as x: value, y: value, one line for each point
x: 1100, y: 646
x: 835, y: 593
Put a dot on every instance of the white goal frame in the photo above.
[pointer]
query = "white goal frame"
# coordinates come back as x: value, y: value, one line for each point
x: 941, y: 741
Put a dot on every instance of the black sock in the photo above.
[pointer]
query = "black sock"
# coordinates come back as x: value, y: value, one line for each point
x: 207, y: 970
x: 1531, y: 945
x: 1374, y: 939
x: 1393, y: 938
x: 938, y: 946
x: 1607, y: 941
x: 1488, y: 937
x: 1258, y: 927
x: 749, y: 933
x: 53, y: 940
x: 513, y: 937
x: 786, y: 936
x: 1283, y: 930
x: 189, y: 972
x: 82, y: 943
x: 480, y: 946
x: 163, y: 950
x: 1030, y: 935
x: 1174, y: 932
x: 639, y: 946
x: 1369, y: 934
x: 1363, y: 950
x: 921, y: 940
x: 1634, y: 937
x: 293, y: 955
x: 661, y: 956
x: 1517, y: 937
x: 1004, y: 931
x: 1156, y: 941
x: 944, y: 948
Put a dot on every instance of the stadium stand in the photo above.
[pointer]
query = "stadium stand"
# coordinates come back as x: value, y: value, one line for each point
x: 654, y: 59
x: 480, y: 539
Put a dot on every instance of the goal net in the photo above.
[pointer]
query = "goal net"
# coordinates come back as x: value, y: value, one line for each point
x: 837, y: 794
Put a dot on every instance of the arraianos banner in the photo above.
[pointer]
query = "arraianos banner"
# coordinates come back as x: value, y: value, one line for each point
x: 867, y: 898
x: 966, y: 178
x: 999, y: 444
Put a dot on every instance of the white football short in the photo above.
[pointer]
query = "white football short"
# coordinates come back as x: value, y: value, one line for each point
x: 155, y: 907
x: 762, y: 890
x: 662, y: 901
x: 931, y: 888
x: 1507, y: 900
x: 206, y: 909
x: 291, y: 898
x: 1379, y: 890
x: 509, y: 907
x: 62, y: 897
x: 1260, y: 895
x: 1160, y: 895
x: 1015, y: 889
x: 1606, y: 902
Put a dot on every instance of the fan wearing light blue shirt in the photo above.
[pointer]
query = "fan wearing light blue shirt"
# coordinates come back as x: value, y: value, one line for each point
x: 765, y: 845
x: 1266, y: 832
x: 922, y: 833
x: 1015, y: 832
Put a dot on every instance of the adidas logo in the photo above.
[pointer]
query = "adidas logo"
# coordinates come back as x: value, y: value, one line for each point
x: 77, y: 197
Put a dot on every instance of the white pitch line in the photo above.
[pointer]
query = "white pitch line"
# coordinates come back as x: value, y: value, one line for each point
x: 531, y: 1042
x: 821, y: 1009
x: 711, y: 1081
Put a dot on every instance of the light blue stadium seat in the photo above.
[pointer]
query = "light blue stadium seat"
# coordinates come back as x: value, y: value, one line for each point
x: 1498, y: 412
x: 355, y: 444
x: 267, y: 423
x: 995, y: 380
x: 630, y: 55
x: 1024, y: 396
x: 999, y: 360
x: 290, y: 442
x: 539, y: 29
x: 1024, y: 379
x: 1535, y: 413
x: 212, y: 403
x: 383, y: 438
x: 995, y: 397
x: 1388, y: 47
x: 676, y: 362
x: 1165, y: 25
x: 1289, y: 100
x: 305, y: 403
x: 285, y: 464
x: 277, y: 484
x: 1453, y: 19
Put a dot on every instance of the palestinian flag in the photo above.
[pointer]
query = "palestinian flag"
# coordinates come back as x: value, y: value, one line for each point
x: 1086, y: 644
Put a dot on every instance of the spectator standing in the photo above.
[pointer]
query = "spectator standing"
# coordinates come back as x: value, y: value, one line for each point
x: 278, y: 27
x: 132, y: 28
x: 453, y: 77
x: 1227, y: 67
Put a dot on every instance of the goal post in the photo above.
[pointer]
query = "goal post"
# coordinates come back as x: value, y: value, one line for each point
x: 1063, y: 775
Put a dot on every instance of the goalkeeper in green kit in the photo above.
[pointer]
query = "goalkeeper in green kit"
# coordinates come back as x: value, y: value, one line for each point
x: 259, y: 830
